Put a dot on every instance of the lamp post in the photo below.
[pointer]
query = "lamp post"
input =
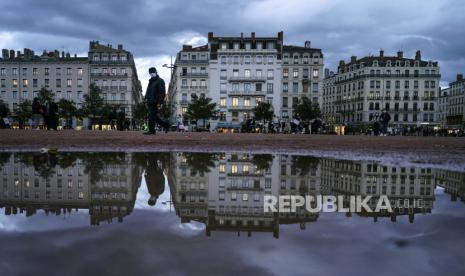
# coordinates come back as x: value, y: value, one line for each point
x: 171, y: 66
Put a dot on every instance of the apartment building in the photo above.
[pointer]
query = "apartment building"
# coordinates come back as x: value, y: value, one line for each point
x: 190, y: 78
x: 456, y: 104
x: 25, y: 188
x: 443, y: 103
x: 22, y: 75
x: 239, y: 72
x: 114, y: 71
x: 302, y: 76
x: 361, y: 89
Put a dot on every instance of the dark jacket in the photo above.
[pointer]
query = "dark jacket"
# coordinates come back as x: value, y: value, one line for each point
x: 155, y: 91
x: 155, y: 180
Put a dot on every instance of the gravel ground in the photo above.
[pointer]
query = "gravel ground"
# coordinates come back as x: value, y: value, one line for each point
x: 432, y: 150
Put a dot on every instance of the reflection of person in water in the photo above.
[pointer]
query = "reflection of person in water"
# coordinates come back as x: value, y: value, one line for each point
x: 154, y: 178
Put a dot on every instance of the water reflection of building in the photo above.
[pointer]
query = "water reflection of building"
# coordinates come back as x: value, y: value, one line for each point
x: 410, y: 190
x: 228, y: 195
x: 452, y: 182
x: 31, y: 182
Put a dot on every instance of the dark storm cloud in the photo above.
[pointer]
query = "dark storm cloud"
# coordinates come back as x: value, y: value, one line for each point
x: 155, y: 28
x: 151, y: 243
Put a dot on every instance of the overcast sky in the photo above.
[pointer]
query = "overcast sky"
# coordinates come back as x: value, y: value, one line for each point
x: 154, y: 30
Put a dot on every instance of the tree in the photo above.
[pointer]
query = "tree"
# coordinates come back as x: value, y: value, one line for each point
x: 201, y: 108
x: 200, y: 162
x: 139, y: 113
x: 23, y: 112
x: 263, y: 112
x: 45, y: 96
x: 93, y: 103
x: 262, y: 161
x: 4, y: 110
x: 305, y: 164
x: 66, y: 110
x: 306, y: 110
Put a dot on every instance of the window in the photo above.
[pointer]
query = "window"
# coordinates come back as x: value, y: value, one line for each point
x: 3, y: 72
x: 247, y: 87
x: 270, y: 74
x: 234, y: 169
x: 285, y: 73
x: 223, y: 87
x: 223, y: 102
x: 15, y: 83
x: 58, y: 83
x: 269, y: 88
x: 295, y: 87
x: 258, y: 87
x: 236, y: 73
x: 258, y: 59
x: 79, y: 71
x: 69, y: 82
x: 68, y: 71
x: 15, y: 71
x: 246, y: 101
x: 247, y: 73
x: 223, y: 59
x: 245, y: 197
x: 223, y: 74
x: 285, y: 87
x: 270, y: 59
x: 25, y: 83
x: 295, y: 73
x: 235, y: 101
x: 315, y: 73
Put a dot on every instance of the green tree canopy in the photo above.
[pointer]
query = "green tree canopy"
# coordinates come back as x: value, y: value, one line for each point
x: 306, y: 110
x: 263, y: 111
x: 45, y: 96
x: 93, y: 103
x: 200, y: 162
x: 4, y: 110
x: 66, y: 109
x: 140, y: 113
x: 23, y: 111
x: 201, y: 108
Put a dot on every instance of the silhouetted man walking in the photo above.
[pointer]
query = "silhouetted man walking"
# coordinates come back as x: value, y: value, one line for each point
x: 154, y: 178
x: 155, y: 96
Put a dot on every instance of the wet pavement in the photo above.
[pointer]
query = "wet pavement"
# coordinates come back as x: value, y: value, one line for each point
x: 176, y: 213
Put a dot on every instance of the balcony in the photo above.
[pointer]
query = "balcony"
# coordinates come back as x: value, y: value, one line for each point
x: 406, y: 98
x: 247, y: 79
x: 121, y: 102
x: 100, y: 61
x: 193, y: 61
x: 197, y: 87
x: 183, y: 102
x: 364, y: 76
x: 109, y: 75
x: 246, y: 93
x: 194, y: 75
x: 428, y: 98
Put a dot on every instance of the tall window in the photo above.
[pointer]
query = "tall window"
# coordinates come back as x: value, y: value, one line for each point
x: 295, y: 73
x: 247, y: 73
x: 269, y: 88
x: 315, y: 73
x: 235, y: 101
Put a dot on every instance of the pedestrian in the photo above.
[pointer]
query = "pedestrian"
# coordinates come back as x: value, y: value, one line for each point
x: 155, y: 97
x: 384, y: 120
x: 37, y: 113
x: 51, y: 116
x: 154, y: 178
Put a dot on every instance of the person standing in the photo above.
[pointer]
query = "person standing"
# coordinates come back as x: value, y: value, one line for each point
x: 37, y: 113
x: 154, y: 97
x: 384, y: 119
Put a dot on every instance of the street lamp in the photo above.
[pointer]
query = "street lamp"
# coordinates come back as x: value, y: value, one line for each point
x: 171, y: 66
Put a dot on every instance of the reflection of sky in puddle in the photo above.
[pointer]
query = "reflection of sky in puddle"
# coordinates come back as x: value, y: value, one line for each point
x: 153, y: 240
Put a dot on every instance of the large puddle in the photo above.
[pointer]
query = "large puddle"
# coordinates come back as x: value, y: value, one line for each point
x: 203, y: 213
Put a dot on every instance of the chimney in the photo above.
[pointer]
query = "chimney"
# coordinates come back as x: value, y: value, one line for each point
x: 68, y: 55
x: 120, y: 46
x: 62, y: 54
x: 12, y: 54
x: 252, y: 35
x: 242, y: 35
x: 18, y: 54
x: 308, y: 44
x: 459, y: 77
x: 210, y: 36
x: 400, y: 54
x: 5, y: 54
x: 186, y: 47
x: 418, y: 55
x: 381, y: 53
x: 75, y: 55
x: 281, y: 36
x: 353, y: 59
x: 326, y: 72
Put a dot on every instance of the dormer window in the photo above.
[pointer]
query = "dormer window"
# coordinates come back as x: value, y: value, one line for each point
x: 398, y: 63
x: 224, y: 46
x: 236, y: 45
x: 388, y: 63
x: 375, y: 63
x: 417, y: 63
x: 407, y: 64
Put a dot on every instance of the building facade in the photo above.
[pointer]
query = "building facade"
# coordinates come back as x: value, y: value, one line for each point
x: 302, y: 76
x: 239, y: 72
x: 362, y: 88
x: 22, y: 75
x: 113, y: 70
x: 456, y: 104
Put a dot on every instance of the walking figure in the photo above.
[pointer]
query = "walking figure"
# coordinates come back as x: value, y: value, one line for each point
x: 155, y: 97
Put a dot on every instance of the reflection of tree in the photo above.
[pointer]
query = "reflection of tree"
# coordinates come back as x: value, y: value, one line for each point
x: 4, y: 158
x: 94, y: 163
x: 67, y: 159
x: 304, y: 164
x: 200, y: 163
x: 262, y: 161
x: 44, y: 164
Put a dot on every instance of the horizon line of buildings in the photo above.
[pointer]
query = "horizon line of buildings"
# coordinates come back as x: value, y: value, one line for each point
x: 239, y: 72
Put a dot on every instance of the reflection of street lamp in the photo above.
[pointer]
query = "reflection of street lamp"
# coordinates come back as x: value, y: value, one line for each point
x: 171, y: 66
